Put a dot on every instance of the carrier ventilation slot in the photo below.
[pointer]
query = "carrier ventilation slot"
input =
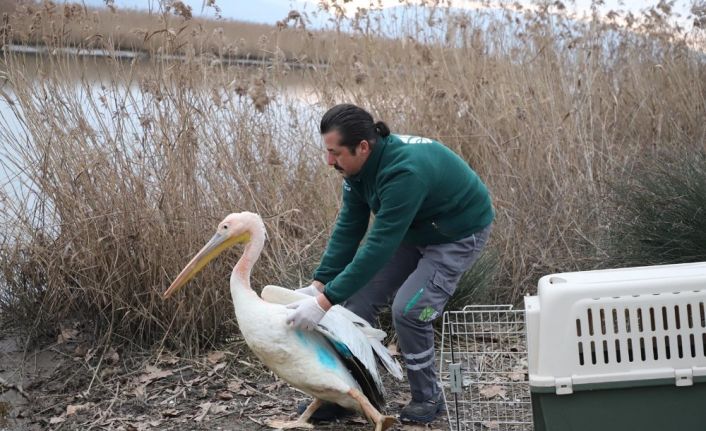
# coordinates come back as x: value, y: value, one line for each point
x: 643, y: 333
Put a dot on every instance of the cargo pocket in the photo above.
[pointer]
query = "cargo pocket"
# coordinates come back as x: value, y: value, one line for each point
x: 436, y: 295
x: 441, y: 282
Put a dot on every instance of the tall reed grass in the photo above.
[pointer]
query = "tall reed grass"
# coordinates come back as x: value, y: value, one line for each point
x: 660, y: 211
x: 120, y: 188
x: 168, y: 30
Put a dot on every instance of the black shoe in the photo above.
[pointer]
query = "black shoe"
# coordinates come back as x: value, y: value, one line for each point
x: 328, y: 412
x: 423, y: 411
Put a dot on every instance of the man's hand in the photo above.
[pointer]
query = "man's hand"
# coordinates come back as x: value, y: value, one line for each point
x: 311, y: 290
x: 308, y: 312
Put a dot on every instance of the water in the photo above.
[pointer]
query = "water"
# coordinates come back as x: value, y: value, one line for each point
x: 108, y: 88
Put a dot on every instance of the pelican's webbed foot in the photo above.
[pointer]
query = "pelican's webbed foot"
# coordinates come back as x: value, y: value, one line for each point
x: 380, y: 421
x: 301, y: 422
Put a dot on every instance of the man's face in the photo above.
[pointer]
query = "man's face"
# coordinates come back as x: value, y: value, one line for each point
x: 341, y: 158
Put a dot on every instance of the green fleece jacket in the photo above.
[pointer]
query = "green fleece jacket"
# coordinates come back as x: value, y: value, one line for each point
x: 420, y: 192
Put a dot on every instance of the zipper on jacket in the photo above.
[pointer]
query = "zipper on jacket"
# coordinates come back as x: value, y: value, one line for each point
x: 444, y: 232
x: 436, y: 227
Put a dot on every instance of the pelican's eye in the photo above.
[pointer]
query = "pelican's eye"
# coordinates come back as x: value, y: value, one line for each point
x: 225, y: 226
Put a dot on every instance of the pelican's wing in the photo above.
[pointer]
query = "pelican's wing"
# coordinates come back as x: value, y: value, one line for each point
x: 375, y: 337
x: 280, y: 295
x: 354, y: 348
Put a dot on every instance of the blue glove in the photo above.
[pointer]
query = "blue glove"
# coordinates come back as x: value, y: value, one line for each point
x: 306, y: 314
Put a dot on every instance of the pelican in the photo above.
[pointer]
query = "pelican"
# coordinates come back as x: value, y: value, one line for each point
x: 334, y: 363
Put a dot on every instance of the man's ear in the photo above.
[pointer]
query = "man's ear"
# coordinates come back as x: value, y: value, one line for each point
x: 364, y: 146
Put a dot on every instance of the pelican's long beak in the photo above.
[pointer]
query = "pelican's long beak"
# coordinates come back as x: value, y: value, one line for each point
x: 214, y: 247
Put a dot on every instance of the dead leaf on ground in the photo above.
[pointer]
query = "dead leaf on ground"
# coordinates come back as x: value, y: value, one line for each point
x: 81, y: 350
x: 402, y: 398
x: 57, y: 420
x: 217, y: 368
x: 194, y: 381
x: 517, y: 376
x: 492, y: 392
x: 171, y: 413
x: 491, y: 425
x: 217, y: 408
x: 168, y: 359
x: 205, y: 407
x: 216, y: 357
x: 112, y: 356
x: 234, y: 385
x: 153, y: 373
x: 201, y: 392
x: 225, y: 395
x: 272, y: 387
x: 108, y: 371
x: 265, y: 404
x: 408, y: 427
x: 139, y: 391
x: 66, y: 334
x: 73, y: 409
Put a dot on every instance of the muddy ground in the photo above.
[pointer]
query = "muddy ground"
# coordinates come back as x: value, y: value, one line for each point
x: 72, y: 382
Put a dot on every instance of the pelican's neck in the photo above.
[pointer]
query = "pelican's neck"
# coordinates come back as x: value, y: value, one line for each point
x: 242, y: 269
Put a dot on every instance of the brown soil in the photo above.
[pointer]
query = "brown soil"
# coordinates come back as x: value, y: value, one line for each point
x: 72, y: 384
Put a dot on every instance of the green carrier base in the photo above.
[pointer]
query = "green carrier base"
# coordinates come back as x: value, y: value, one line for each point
x: 643, y: 406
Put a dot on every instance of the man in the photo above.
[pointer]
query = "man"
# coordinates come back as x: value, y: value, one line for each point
x: 432, y: 219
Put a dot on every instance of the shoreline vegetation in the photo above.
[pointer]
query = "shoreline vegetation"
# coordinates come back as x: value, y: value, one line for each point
x: 146, y: 56
x: 169, y: 31
x: 172, y: 31
x: 117, y: 188
x: 165, y: 31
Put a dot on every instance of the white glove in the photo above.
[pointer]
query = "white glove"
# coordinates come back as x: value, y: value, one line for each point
x: 306, y: 314
x: 310, y: 290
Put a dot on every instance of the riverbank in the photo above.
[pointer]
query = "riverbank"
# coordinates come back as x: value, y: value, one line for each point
x: 127, y: 55
x: 166, y: 32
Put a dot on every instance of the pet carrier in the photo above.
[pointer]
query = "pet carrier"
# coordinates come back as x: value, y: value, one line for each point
x: 621, y: 349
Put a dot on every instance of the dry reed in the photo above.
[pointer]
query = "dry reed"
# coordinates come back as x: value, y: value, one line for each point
x: 168, y: 30
x: 121, y: 187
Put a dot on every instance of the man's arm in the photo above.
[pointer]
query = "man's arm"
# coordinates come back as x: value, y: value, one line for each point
x: 351, y: 224
x: 400, y: 198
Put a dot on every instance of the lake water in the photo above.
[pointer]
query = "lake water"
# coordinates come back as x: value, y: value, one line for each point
x: 88, y: 78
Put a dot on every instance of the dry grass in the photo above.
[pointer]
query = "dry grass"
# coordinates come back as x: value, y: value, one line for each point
x: 122, y: 187
x: 170, y: 30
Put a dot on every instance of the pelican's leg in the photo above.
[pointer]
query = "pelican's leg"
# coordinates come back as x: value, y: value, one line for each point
x: 301, y: 422
x: 381, y: 421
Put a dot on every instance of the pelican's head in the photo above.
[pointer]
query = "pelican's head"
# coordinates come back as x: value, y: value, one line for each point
x: 236, y: 228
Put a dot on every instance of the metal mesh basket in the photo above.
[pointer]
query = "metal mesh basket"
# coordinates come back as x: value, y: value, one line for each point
x: 483, y: 369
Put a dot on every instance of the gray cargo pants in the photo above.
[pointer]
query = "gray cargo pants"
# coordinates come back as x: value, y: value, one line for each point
x: 418, y: 281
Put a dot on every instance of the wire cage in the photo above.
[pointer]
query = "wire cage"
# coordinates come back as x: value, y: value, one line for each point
x: 483, y: 369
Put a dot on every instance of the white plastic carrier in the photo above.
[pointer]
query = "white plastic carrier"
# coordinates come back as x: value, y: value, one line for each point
x: 619, y: 325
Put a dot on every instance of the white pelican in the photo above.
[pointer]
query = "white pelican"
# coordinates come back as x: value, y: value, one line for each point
x: 335, y: 363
